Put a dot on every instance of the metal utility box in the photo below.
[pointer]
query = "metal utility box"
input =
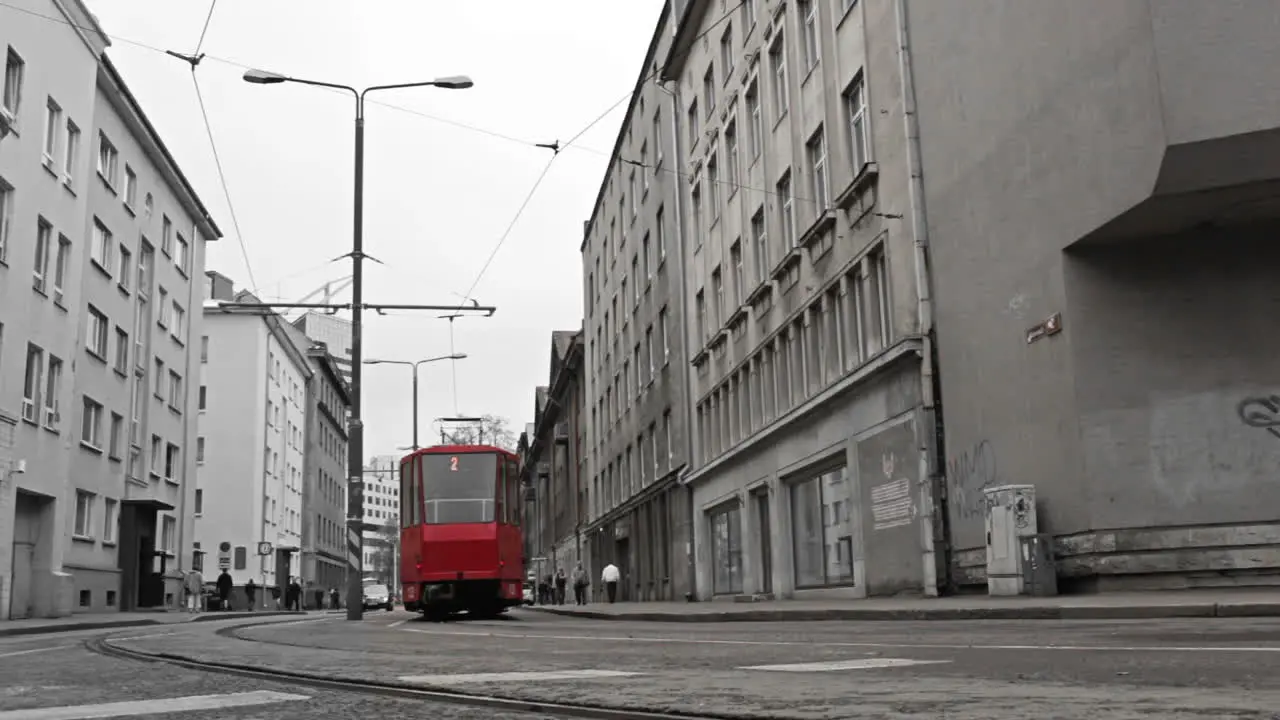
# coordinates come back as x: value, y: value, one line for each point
x: 1011, y: 515
x: 1039, y: 572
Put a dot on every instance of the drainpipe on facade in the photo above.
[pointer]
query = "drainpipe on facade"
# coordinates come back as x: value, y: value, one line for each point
x: 687, y: 405
x: 937, y: 571
x: 195, y: 312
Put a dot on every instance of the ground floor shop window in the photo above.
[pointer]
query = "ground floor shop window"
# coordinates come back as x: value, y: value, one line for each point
x: 822, y: 529
x: 726, y: 550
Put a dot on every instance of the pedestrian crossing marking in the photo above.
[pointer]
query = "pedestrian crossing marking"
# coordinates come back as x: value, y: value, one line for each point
x: 152, y: 707
x: 446, y: 679
x: 833, y: 665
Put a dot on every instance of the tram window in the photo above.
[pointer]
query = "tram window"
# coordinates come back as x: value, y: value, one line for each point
x: 460, y: 488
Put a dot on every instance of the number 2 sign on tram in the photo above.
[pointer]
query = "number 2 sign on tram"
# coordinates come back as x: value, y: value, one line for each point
x: 460, y: 541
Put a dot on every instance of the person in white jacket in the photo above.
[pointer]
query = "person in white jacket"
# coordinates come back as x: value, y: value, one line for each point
x: 610, y: 576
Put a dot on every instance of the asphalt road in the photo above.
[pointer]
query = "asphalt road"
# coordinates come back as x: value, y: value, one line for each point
x: 989, y: 670
x: 54, y: 677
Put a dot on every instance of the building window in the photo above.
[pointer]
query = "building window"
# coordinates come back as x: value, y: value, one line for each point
x: 108, y: 160
x: 53, y: 381
x: 171, y: 462
x: 84, y: 515
x: 822, y: 529
x: 96, y: 335
x: 117, y: 436
x: 73, y: 153
x: 812, y: 50
x: 61, y: 267
x: 666, y: 346
x: 52, y: 129
x: 756, y: 138
x: 859, y: 141
x: 31, y: 384
x: 14, y: 70
x: 817, y: 151
x: 726, y: 52
x: 760, y: 244
x: 110, y: 520
x: 200, y: 449
x: 175, y: 390
x: 739, y: 277
x: 199, y: 508
x: 130, y: 187
x: 122, y: 351
x: 788, y: 219
x: 731, y: 157
x: 181, y: 258
x: 168, y: 535
x: 91, y: 427
x: 102, y: 247
x: 40, y: 270
x: 781, y: 90
x: 726, y: 551
x: 125, y: 265
x: 6, y: 216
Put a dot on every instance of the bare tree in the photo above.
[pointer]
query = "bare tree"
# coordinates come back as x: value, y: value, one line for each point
x: 491, y: 430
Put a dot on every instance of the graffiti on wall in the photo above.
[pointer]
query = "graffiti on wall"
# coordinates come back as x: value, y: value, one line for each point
x: 968, y: 475
x: 1261, y: 412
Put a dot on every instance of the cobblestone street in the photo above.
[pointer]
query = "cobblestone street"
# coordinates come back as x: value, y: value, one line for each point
x: 1172, y: 668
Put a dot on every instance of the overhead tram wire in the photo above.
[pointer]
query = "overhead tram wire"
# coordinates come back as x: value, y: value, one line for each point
x: 194, y: 61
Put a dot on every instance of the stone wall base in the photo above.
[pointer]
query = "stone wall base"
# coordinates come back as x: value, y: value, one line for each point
x: 1166, y: 558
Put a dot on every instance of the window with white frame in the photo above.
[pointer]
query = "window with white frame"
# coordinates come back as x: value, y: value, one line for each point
x: 200, y: 449
x: 760, y: 244
x: 812, y: 49
x: 130, y: 187
x: 126, y: 267
x: 102, y: 249
x: 159, y: 381
x: 110, y: 520
x: 169, y: 535
x: 6, y: 216
x: 52, y: 131
x: 166, y: 235
x: 731, y: 157
x: 179, y: 329
x: 181, y: 258
x: 44, y: 238
x: 662, y: 328
x: 755, y: 118
x: 115, y: 440
x: 781, y: 89
x: 53, y: 382
x: 32, y: 380
x: 171, y: 469
x: 108, y: 160
x: 96, y: 333
x: 175, y: 390
x: 788, y: 219
x: 14, y: 72
x: 61, y: 267
x: 73, y: 152
x: 146, y: 261
x: 739, y: 277
x: 91, y: 423
x: 726, y: 52
x: 816, y: 149
x: 856, y: 106
x: 84, y: 514
x: 122, y: 351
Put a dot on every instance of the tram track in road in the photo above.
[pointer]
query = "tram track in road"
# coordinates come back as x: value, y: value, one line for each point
x: 103, y: 646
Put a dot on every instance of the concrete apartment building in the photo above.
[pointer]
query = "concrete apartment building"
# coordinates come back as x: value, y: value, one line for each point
x: 1112, y: 165
x: 324, y: 493
x: 335, y: 333
x: 253, y: 441
x: 806, y: 333
x: 635, y: 382
x: 553, y: 461
x: 95, y: 493
x: 382, y: 519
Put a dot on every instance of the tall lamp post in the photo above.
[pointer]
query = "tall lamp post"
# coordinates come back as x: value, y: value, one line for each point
x: 355, y: 433
x: 414, y: 364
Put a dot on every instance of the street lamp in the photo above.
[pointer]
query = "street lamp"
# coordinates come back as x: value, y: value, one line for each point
x: 414, y: 365
x: 355, y: 433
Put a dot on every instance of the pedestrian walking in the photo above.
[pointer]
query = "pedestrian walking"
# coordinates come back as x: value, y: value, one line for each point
x: 561, y: 581
x: 195, y: 591
x: 224, y: 584
x: 580, y: 585
x: 610, y: 576
x: 251, y: 592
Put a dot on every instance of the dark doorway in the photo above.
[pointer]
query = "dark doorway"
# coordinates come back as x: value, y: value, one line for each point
x: 141, y: 573
x: 766, y: 540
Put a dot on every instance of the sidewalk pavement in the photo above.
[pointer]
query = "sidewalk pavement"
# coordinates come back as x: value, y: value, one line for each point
x: 1110, y: 606
x: 104, y: 621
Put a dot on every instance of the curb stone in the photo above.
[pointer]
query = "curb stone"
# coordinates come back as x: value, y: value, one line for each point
x: 128, y: 623
x: 1122, y: 612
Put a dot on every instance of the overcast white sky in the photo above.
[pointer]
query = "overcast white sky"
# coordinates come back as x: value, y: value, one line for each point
x: 437, y: 196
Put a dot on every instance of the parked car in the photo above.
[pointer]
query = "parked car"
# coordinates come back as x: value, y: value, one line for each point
x: 377, y: 596
x: 528, y: 592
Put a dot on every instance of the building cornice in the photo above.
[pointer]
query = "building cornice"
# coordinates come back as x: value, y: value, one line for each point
x: 686, y: 32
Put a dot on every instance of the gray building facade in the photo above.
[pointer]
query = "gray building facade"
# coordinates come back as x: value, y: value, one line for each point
x: 813, y: 470
x: 1112, y: 165
x: 102, y: 243
x: 635, y: 399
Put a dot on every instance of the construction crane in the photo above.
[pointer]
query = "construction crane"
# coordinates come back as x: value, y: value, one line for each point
x: 327, y: 291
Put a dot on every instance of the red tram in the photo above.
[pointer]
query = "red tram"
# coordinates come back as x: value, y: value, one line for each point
x: 460, y: 541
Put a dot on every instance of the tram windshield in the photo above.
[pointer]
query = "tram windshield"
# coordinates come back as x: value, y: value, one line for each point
x: 459, y: 488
